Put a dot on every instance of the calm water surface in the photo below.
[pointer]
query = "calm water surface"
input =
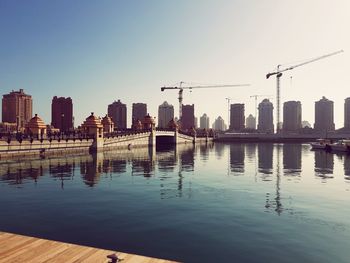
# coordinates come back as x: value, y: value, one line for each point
x: 221, y: 202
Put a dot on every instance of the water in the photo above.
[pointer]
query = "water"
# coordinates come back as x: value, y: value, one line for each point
x: 222, y: 202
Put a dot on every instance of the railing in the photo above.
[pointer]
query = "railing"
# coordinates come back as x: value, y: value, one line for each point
x: 125, y: 132
x: 20, y: 137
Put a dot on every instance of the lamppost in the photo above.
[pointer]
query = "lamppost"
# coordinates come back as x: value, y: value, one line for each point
x: 62, y: 123
x: 17, y: 126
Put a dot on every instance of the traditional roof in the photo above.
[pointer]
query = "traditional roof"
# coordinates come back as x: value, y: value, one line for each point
x: 36, y: 122
x: 106, y: 120
x: 148, y: 120
x: 138, y: 125
x: 173, y: 124
x: 92, y: 121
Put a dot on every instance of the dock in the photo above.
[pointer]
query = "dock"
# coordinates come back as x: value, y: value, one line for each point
x: 18, y: 248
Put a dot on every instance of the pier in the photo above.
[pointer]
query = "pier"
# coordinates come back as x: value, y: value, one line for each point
x: 18, y: 248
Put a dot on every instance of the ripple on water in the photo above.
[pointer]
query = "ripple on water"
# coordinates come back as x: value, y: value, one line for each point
x: 189, y: 202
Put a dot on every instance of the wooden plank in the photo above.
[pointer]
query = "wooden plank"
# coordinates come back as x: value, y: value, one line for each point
x: 100, y: 256
x: 68, y: 256
x: 52, y: 251
x: 17, y: 248
x: 17, y: 254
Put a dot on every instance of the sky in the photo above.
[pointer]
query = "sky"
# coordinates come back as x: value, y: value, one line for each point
x: 99, y: 51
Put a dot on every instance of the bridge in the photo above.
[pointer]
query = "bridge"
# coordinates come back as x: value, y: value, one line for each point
x: 151, y: 137
x: 14, y: 146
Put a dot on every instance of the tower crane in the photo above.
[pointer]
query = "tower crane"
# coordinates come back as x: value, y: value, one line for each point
x: 256, y: 102
x: 228, y: 110
x: 181, y: 89
x: 278, y: 74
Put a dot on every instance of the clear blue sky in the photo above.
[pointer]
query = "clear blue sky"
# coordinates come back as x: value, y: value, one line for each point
x: 100, y: 51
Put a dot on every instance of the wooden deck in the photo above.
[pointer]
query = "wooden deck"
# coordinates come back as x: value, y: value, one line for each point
x: 17, y: 248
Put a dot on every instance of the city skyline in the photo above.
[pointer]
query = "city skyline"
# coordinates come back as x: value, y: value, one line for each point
x: 95, y: 52
x: 62, y: 110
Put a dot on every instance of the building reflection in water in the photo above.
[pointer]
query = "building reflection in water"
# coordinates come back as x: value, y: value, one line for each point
x: 172, y: 187
x: 18, y: 175
x: 324, y: 164
x: 250, y: 149
x: 204, y: 152
x: 186, y: 157
x: 265, y: 157
x: 62, y: 170
x: 167, y: 161
x: 219, y: 150
x: 142, y: 167
x: 237, y: 158
x: 292, y: 159
x: 91, y: 170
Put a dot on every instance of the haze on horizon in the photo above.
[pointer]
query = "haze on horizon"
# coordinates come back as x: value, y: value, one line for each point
x: 99, y: 51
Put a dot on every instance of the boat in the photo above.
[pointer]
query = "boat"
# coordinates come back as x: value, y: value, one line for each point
x: 321, y: 144
x: 341, y: 146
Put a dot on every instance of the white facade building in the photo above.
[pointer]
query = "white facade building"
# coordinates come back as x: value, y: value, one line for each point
x: 165, y: 114
x: 204, y: 122
x: 250, y: 122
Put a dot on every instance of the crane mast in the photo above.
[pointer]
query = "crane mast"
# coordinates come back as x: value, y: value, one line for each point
x: 278, y: 74
x: 228, y: 110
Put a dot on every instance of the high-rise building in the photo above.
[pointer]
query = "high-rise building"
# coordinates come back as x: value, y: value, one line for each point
x: 266, y: 117
x: 187, y: 119
x: 292, y: 116
x: 237, y: 119
x: 139, y: 111
x: 62, y: 113
x: 17, y: 108
x: 204, y: 122
x: 195, y: 122
x: 347, y: 114
x: 165, y: 114
x: 250, y: 122
x: 117, y: 111
x: 324, y: 115
x: 219, y: 124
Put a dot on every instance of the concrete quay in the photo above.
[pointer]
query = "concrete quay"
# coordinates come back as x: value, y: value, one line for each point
x: 277, y: 138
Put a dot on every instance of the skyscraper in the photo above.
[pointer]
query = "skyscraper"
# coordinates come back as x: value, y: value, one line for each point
x: 17, y: 108
x: 187, y: 119
x: 219, y: 124
x: 292, y: 116
x: 139, y: 111
x: 237, y: 119
x: 265, y: 117
x: 204, y: 122
x: 165, y: 114
x: 62, y: 113
x: 347, y: 114
x: 250, y: 122
x: 117, y: 111
x: 324, y: 119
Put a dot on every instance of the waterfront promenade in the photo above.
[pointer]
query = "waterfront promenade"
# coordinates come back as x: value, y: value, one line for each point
x: 18, y: 248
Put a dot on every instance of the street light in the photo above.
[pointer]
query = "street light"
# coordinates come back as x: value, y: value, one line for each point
x: 62, y: 117
x: 17, y: 120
